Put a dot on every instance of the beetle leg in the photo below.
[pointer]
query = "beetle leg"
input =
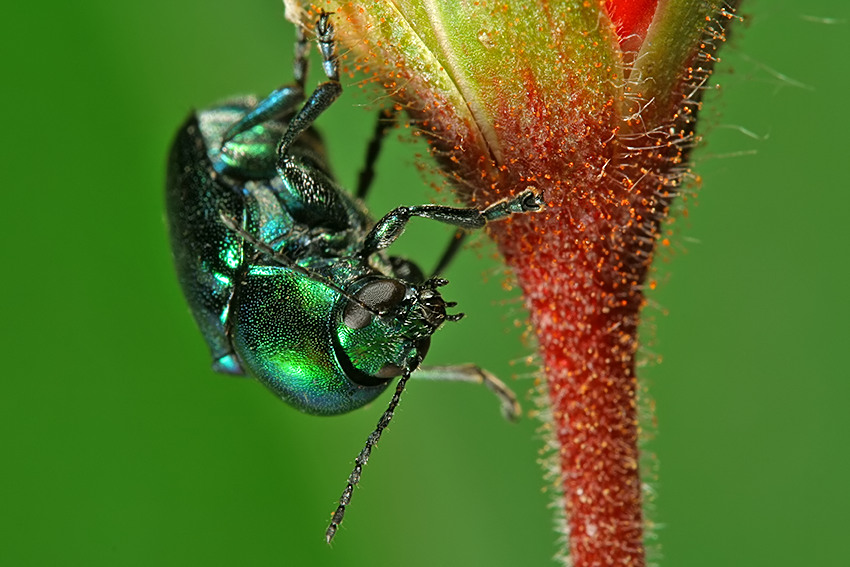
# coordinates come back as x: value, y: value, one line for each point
x: 450, y: 252
x: 524, y: 202
x: 283, y: 99
x: 302, y: 50
x: 386, y: 119
x: 392, y: 225
x: 280, y: 101
x: 511, y: 409
x: 324, y: 95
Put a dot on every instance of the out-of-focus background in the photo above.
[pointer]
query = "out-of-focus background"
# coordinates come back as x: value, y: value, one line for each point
x: 121, y: 447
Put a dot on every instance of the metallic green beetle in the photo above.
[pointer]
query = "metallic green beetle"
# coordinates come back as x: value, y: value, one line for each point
x: 286, y: 274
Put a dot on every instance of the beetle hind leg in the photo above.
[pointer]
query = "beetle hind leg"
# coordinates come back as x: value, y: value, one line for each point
x: 324, y: 95
x: 282, y: 100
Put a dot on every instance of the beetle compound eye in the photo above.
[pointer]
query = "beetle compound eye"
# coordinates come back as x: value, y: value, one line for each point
x: 356, y: 316
x: 378, y: 296
x: 381, y: 295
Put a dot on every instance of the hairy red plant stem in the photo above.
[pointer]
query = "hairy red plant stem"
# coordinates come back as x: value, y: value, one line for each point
x: 584, y: 306
x: 580, y: 265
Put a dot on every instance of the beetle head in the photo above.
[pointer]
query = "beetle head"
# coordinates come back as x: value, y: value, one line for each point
x: 385, y: 327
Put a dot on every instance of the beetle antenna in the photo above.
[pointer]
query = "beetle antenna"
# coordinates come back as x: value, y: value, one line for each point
x: 284, y: 260
x: 363, y: 457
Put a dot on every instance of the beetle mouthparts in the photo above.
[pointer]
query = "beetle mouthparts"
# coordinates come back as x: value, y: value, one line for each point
x: 432, y: 307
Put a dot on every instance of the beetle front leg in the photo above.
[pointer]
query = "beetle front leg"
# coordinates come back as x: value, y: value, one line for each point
x: 392, y: 225
x: 511, y: 409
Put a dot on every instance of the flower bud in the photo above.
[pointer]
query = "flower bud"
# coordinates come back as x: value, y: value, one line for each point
x: 594, y: 104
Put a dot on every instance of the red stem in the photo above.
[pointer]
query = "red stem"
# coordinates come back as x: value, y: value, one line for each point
x: 581, y: 283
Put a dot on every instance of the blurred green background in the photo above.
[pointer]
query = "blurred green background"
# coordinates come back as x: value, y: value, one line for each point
x: 120, y: 447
